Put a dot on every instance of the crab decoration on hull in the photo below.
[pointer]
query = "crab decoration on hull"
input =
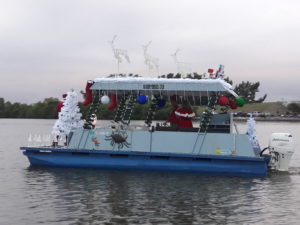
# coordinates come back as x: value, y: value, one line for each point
x: 119, y: 138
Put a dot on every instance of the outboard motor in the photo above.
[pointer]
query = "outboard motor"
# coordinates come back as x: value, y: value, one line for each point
x: 281, y: 149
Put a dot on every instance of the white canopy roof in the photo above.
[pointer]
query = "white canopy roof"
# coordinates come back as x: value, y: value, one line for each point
x: 162, y: 85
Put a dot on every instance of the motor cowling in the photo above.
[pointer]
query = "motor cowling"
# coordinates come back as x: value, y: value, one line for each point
x: 281, y: 148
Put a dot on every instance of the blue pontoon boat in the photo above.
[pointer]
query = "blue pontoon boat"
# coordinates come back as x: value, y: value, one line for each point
x: 214, y: 146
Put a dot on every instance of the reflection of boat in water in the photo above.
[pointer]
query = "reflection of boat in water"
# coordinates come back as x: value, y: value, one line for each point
x: 212, y: 147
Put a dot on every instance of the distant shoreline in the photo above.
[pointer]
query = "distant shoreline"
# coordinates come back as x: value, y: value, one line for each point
x: 271, y: 119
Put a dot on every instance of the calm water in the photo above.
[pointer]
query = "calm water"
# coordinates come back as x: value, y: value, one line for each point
x: 86, y: 196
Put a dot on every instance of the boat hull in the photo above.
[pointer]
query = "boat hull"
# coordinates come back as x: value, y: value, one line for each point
x: 123, y: 160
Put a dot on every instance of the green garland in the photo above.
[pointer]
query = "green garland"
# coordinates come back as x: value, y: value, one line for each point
x: 94, y: 108
x: 129, y: 107
x: 152, y: 111
x: 208, y: 113
x: 120, y: 109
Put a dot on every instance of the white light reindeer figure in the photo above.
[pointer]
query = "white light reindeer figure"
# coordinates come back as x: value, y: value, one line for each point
x: 150, y: 61
x: 119, y: 54
x: 182, y: 67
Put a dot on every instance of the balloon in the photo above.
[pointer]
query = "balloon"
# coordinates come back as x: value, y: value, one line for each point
x: 239, y: 101
x: 223, y: 100
x: 142, y: 99
x: 161, y: 103
x: 105, y: 99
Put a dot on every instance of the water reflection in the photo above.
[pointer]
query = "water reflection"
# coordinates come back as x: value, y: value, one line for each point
x: 81, y: 196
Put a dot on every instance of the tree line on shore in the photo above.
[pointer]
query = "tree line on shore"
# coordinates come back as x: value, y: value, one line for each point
x: 46, y: 109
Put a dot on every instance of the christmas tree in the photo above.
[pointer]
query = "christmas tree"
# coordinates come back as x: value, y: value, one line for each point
x: 69, y: 117
x: 251, y: 132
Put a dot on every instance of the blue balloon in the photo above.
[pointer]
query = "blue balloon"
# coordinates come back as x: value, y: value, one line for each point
x: 142, y: 99
x: 161, y: 103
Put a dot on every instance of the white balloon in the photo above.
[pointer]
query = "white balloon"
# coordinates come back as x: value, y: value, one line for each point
x: 105, y: 100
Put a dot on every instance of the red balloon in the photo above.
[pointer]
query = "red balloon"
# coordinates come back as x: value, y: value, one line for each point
x: 223, y: 100
x: 233, y: 105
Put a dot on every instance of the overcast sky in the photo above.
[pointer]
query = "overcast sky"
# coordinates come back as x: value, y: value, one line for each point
x: 50, y: 46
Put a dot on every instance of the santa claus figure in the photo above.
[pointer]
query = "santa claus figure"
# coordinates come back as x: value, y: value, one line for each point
x: 185, y: 115
x: 172, y: 118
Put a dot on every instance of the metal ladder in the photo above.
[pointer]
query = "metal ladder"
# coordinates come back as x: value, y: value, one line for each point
x: 204, y: 123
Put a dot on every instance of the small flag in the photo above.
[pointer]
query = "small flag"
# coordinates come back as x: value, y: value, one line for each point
x: 220, y: 71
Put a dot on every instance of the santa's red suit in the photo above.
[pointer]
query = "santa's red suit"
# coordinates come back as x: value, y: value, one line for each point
x: 172, y: 118
x: 184, y: 117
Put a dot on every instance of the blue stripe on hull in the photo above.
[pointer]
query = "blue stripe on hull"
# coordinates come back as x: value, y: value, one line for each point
x: 166, y: 162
